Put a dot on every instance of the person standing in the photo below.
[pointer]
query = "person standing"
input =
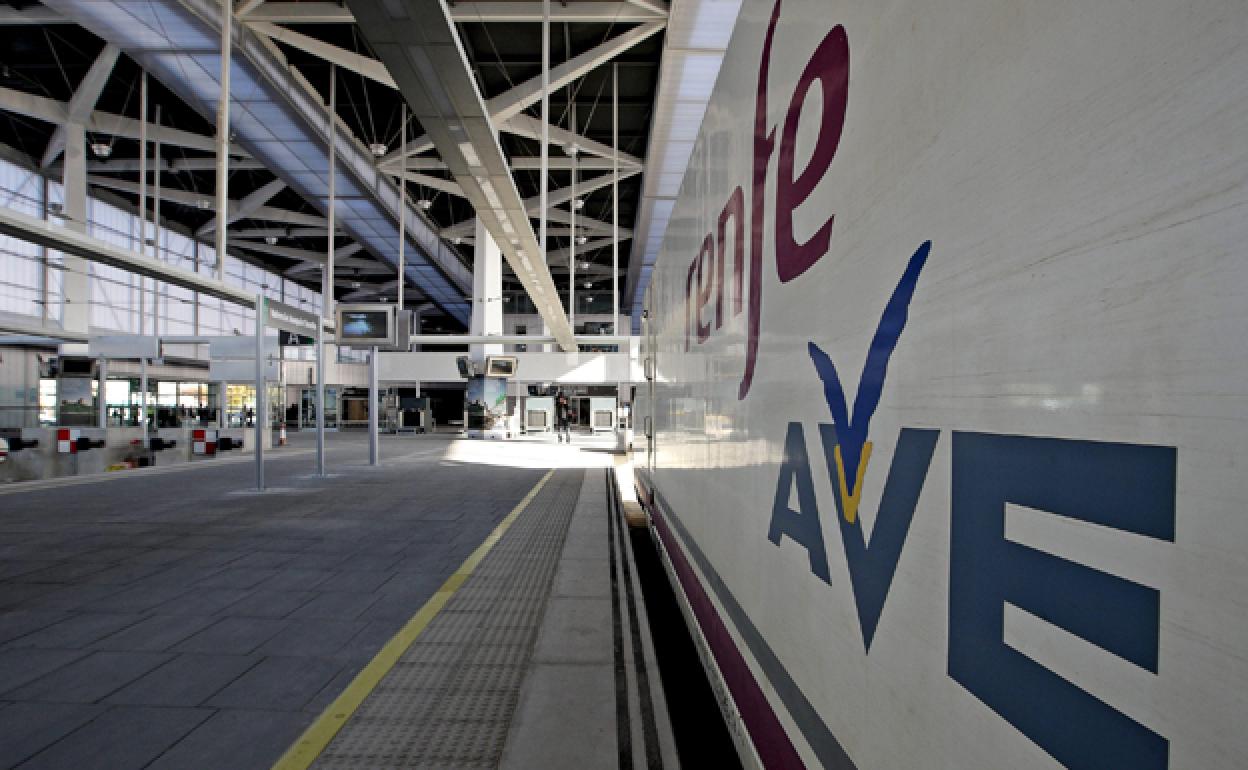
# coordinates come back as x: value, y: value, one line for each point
x: 563, y: 416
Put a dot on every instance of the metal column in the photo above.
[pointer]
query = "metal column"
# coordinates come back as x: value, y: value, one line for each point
x: 327, y: 278
x: 261, y: 306
x: 103, y: 394
x: 143, y: 197
x: 615, y: 198
x: 223, y: 136
x: 374, y: 439
x: 402, y: 201
x: 156, y: 225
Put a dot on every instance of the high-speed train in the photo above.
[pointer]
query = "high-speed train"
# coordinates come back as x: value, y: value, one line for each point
x: 946, y: 411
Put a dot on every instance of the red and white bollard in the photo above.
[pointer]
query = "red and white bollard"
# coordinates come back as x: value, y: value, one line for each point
x: 281, y: 434
x: 67, y: 441
x: 203, y: 441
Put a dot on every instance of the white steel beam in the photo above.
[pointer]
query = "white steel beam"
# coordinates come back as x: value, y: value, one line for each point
x: 245, y: 7
x: 187, y: 198
x: 34, y: 230
x: 652, y: 6
x: 82, y: 103
x: 246, y: 207
x: 525, y: 125
x: 348, y: 60
x: 437, y: 183
x: 421, y: 48
x: 514, y: 100
x: 52, y: 111
x: 588, y: 12
x: 341, y: 253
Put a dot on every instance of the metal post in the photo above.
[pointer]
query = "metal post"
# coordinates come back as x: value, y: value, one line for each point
x: 615, y: 198
x: 320, y: 399
x: 142, y: 196
x: 222, y: 390
x: 143, y: 398
x: 261, y: 304
x: 374, y: 440
x: 223, y: 136
x: 545, y: 148
x: 327, y: 280
x: 572, y: 242
x: 103, y: 398
x: 402, y: 200
x: 156, y: 227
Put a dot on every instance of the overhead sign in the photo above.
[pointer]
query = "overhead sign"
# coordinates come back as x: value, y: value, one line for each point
x: 281, y: 316
x: 124, y: 346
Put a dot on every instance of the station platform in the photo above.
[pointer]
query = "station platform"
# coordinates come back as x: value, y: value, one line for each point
x: 463, y: 604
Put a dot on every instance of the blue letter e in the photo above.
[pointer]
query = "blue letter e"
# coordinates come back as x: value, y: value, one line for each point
x: 1124, y: 486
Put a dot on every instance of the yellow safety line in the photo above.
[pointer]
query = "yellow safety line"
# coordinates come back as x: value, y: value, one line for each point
x: 314, y: 740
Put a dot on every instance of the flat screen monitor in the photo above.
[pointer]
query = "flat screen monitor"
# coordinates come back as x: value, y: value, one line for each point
x: 366, y: 325
x: 500, y: 366
x: 77, y: 367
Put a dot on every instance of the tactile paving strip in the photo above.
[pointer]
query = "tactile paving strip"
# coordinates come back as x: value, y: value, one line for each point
x: 448, y: 702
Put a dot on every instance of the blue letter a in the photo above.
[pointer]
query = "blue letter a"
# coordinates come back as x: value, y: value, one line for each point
x: 801, y: 525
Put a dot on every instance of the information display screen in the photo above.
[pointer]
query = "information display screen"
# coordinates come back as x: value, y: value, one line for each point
x: 363, y: 326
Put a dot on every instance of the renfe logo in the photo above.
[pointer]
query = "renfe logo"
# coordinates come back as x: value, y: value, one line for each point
x: 829, y: 66
x: 1122, y: 486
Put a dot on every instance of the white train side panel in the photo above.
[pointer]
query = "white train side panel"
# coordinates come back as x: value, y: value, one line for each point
x: 949, y: 336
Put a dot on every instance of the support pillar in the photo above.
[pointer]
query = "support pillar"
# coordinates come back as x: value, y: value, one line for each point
x: 487, y: 292
x: 102, y: 400
x: 76, y: 289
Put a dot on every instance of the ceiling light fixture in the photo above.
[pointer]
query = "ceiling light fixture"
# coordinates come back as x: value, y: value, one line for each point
x: 572, y: 149
x: 204, y: 203
x: 578, y: 204
x: 102, y: 150
x: 425, y: 204
x: 379, y: 149
x: 581, y: 240
x: 355, y: 284
x: 271, y: 240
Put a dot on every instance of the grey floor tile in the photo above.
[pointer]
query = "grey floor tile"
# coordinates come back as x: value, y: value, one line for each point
x: 139, y: 597
x: 13, y: 594
x: 89, y: 679
x: 588, y: 578
x: 72, y: 597
x: 575, y: 630
x: 539, y: 734
x: 297, y: 578
x: 18, y: 623
x: 312, y: 637
x: 235, y: 739
x: 358, y: 580
x: 122, y: 574
x: 120, y: 739
x: 336, y: 605
x: 267, y: 603
x: 237, y: 577
x: 78, y: 630
x: 28, y: 728
x: 187, y: 680
x: 156, y: 633
x: 17, y: 667
x: 277, y: 683
x: 206, y: 601
x: 232, y: 636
